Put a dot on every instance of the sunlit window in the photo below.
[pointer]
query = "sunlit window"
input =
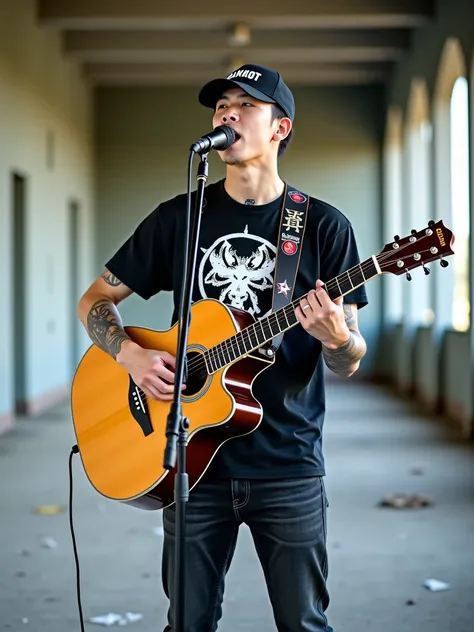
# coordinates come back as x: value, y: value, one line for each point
x: 393, y: 167
x: 459, y: 121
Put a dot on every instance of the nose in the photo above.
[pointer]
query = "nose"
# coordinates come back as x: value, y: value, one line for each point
x: 229, y: 115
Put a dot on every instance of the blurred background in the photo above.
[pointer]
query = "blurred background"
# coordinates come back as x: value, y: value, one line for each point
x: 98, y: 106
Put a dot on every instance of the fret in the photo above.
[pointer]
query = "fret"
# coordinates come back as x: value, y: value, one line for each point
x: 248, y: 342
x: 260, y: 339
x: 251, y: 344
x: 228, y: 347
x: 219, y: 357
x: 252, y: 335
x: 267, y: 330
x: 221, y: 349
x: 281, y: 320
x: 274, y: 324
x: 357, y: 276
x: 370, y: 269
x: 210, y: 354
x: 239, y: 340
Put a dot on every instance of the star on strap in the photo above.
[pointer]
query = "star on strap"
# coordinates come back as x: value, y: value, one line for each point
x: 283, y: 288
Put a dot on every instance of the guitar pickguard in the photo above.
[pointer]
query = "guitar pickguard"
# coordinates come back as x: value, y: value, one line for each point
x: 139, y: 408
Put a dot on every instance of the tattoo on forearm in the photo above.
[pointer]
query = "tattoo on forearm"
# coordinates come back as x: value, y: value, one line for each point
x: 111, y: 279
x: 105, y: 328
x: 341, y: 359
x: 349, y: 316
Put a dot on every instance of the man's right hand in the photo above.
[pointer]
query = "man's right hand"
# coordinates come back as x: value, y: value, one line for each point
x: 151, y: 370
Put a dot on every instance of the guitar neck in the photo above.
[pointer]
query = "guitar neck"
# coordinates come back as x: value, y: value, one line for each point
x: 265, y: 329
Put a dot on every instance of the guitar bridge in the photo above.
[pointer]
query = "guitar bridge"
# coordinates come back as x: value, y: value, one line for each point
x: 139, y: 408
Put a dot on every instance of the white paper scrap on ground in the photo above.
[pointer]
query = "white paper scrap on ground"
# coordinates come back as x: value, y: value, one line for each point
x: 436, y: 585
x: 113, y: 618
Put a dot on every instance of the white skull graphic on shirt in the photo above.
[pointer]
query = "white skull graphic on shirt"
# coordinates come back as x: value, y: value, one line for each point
x: 243, y: 279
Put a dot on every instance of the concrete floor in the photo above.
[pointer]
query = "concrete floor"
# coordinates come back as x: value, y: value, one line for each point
x: 379, y: 557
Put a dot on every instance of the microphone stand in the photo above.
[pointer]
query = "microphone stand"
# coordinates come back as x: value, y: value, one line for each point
x: 177, y: 425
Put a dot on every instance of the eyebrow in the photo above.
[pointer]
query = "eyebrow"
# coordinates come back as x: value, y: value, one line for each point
x: 239, y: 96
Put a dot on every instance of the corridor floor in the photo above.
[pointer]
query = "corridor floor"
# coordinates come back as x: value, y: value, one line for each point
x: 379, y: 557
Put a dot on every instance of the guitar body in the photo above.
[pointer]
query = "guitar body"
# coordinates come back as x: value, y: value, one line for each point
x: 121, y: 433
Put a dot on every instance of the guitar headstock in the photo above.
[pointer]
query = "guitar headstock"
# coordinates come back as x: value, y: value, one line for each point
x: 421, y: 247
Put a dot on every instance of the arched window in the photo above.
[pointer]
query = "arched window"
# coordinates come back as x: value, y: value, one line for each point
x: 392, y: 209
x: 459, y: 122
x: 418, y: 185
x: 452, y: 185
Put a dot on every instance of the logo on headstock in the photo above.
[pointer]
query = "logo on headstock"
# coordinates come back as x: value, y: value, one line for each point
x: 439, y: 232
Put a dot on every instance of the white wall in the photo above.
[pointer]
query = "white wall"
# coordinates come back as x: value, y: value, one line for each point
x: 40, y: 94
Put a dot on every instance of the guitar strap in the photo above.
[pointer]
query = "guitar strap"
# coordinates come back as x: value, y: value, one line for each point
x: 289, y: 245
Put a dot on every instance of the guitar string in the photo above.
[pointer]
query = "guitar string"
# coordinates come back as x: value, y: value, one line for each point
x: 199, y: 364
x: 216, y: 354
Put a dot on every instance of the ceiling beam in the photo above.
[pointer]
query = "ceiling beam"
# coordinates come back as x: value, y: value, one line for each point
x: 146, y: 14
x: 266, y: 47
x: 301, y: 74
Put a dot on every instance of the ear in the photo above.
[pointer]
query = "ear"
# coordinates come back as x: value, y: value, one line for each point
x: 283, y: 129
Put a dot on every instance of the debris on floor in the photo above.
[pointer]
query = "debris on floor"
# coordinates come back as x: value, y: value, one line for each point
x: 49, y: 543
x: 417, y: 471
x: 49, y: 510
x: 406, y: 501
x: 113, y: 618
x: 410, y: 602
x: 436, y: 585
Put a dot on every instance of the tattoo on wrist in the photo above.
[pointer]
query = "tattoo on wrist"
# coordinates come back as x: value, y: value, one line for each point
x: 340, y: 359
x: 104, y: 327
x: 111, y: 279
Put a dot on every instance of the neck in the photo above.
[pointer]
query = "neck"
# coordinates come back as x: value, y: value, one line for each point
x: 252, y: 182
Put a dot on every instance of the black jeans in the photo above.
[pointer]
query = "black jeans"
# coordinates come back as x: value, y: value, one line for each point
x: 287, y: 519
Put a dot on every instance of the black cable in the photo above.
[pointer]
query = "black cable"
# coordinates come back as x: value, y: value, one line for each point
x: 75, y: 450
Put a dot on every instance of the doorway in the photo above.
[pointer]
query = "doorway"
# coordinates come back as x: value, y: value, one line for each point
x: 18, y: 186
x: 74, y: 282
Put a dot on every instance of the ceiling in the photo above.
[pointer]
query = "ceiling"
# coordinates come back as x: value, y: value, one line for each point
x: 184, y: 42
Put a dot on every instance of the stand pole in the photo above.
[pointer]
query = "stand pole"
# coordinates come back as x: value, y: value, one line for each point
x: 177, y: 425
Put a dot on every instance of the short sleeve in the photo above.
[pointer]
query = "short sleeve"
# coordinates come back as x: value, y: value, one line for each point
x: 339, y: 255
x: 143, y: 262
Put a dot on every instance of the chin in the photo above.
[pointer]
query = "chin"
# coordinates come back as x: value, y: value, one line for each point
x: 233, y: 160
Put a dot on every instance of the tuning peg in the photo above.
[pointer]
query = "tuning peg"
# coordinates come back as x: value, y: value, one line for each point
x: 431, y: 223
x: 397, y: 238
x: 443, y: 263
x: 413, y: 232
x: 408, y: 276
x: 426, y: 270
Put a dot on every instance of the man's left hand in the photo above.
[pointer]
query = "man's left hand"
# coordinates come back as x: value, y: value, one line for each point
x: 323, y: 318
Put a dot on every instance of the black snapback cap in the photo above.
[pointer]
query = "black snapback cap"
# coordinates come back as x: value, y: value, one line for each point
x: 257, y: 81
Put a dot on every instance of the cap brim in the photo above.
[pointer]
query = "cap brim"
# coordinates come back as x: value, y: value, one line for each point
x: 212, y: 92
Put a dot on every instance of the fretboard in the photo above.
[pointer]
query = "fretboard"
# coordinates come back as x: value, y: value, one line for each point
x: 262, y: 331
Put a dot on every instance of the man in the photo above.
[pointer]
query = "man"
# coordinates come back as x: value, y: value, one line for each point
x: 272, y: 478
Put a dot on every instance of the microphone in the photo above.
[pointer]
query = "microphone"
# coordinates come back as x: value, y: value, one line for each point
x: 220, y: 138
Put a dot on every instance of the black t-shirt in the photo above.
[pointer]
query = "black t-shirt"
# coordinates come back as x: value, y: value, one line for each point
x: 236, y: 258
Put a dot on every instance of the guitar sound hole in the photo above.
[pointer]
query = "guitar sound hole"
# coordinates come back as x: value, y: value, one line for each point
x: 197, y: 373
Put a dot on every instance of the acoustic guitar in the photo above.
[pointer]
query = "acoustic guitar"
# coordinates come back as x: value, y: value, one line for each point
x: 120, y: 432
